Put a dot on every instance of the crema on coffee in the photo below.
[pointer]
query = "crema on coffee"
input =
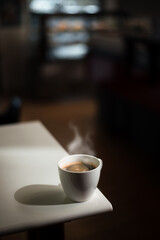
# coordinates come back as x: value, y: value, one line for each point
x: 79, y: 166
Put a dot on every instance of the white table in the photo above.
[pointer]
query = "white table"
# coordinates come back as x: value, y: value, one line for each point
x: 30, y: 192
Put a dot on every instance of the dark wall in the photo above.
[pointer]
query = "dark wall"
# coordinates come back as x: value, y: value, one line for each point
x: 141, y: 7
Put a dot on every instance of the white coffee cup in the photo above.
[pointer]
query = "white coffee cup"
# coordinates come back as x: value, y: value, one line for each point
x: 79, y: 186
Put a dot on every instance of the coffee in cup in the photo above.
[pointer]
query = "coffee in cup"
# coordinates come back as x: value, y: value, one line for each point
x: 79, y: 166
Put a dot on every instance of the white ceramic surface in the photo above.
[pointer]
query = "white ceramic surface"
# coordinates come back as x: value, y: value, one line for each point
x: 79, y: 186
x: 30, y: 191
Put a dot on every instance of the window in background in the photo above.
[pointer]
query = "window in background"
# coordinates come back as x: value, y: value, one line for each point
x: 67, y: 34
x: 65, y: 6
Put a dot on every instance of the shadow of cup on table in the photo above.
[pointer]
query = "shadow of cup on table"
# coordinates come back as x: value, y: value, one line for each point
x: 40, y: 194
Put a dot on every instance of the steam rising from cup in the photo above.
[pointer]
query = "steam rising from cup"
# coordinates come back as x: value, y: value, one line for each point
x: 79, y: 144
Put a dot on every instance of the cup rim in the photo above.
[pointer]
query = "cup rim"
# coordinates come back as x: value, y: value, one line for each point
x: 100, y: 163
